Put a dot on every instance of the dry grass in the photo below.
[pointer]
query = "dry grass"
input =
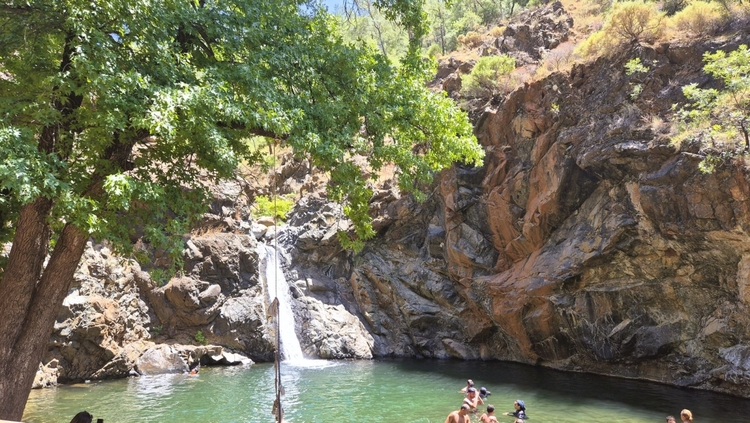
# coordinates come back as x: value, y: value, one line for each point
x: 587, y: 17
x: 658, y: 125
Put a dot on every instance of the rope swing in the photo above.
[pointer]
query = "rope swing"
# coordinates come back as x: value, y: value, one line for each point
x: 277, y: 409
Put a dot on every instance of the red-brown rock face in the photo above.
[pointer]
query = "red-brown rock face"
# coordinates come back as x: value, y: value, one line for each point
x: 586, y: 242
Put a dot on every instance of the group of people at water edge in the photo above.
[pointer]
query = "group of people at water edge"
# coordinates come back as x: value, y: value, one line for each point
x: 473, y: 399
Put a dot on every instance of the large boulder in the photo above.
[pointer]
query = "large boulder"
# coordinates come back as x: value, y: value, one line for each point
x: 331, y: 332
x: 161, y: 359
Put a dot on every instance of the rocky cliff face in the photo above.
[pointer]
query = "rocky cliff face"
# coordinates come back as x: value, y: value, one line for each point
x: 587, y: 242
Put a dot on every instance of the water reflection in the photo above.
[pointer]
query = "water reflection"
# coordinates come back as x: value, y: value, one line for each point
x: 147, y: 388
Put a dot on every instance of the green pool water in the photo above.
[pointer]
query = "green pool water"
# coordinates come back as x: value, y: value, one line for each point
x: 399, y: 391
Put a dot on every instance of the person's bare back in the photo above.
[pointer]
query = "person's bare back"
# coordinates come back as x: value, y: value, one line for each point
x: 489, y: 416
x: 459, y: 416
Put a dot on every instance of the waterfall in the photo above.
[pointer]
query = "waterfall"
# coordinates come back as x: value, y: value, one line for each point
x: 275, y: 281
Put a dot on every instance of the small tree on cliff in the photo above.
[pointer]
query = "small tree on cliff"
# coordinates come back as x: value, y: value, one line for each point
x: 719, y: 118
x: 113, y: 112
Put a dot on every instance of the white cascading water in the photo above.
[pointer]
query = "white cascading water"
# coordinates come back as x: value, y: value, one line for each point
x: 277, y: 287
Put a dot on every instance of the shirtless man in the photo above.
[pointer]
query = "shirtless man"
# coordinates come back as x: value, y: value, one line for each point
x: 459, y: 416
x: 473, y: 399
x: 489, y: 416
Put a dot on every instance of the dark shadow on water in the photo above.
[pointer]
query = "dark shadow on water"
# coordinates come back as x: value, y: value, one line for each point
x: 571, y: 387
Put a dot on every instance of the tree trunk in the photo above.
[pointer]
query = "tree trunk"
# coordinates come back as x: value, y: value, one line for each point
x: 39, y: 300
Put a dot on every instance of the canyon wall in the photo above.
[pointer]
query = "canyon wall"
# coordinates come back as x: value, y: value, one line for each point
x: 586, y: 242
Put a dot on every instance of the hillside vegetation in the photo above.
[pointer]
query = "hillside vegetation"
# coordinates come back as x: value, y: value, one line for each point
x: 485, y: 50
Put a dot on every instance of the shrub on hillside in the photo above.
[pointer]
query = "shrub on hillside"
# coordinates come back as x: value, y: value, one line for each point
x: 484, y: 79
x: 700, y: 17
x: 497, y: 31
x: 433, y: 51
x: 627, y: 22
x: 597, y: 44
x: 472, y: 39
x: 634, y: 21
x: 468, y: 22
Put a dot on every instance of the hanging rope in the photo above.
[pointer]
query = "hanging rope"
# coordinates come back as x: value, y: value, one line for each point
x: 277, y: 408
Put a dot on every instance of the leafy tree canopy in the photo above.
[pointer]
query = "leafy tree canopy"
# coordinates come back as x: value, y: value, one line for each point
x: 117, y: 110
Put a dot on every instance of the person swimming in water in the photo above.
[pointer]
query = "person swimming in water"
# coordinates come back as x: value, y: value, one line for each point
x: 484, y: 393
x: 489, y: 416
x: 82, y: 417
x: 459, y: 416
x: 469, y: 384
x: 195, y: 370
x: 473, y: 399
x: 520, y: 412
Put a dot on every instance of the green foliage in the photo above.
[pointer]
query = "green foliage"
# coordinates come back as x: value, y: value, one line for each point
x: 277, y: 207
x: 634, y: 66
x: 433, y: 51
x: 484, y: 77
x: 156, y: 330
x: 636, y: 91
x: 369, y: 25
x: 711, y: 162
x: 158, y: 275
x: 720, y: 118
x: 200, y: 338
x: 123, y: 113
x: 449, y: 20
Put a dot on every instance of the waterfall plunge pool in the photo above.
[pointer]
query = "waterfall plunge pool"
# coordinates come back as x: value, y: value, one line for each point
x: 387, y: 391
